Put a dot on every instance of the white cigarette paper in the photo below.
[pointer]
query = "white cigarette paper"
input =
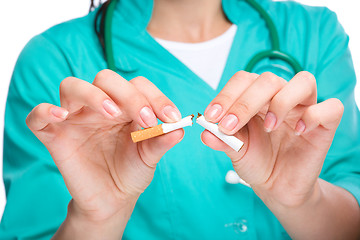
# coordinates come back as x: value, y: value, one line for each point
x: 161, y: 129
x: 232, y: 141
x: 185, y: 122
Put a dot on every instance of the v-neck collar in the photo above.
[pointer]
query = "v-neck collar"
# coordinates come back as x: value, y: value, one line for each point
x: 131, y: 18
x: 185, y: 70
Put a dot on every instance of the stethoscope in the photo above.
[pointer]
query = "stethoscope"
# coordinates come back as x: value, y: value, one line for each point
x: 104, y: 35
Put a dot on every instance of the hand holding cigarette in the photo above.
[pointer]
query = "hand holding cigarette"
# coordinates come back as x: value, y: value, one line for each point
x: 288, y: 135
x: 161, y: 129
x: 102, y: 114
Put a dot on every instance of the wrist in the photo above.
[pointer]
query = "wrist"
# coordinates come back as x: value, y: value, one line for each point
x: 290, y: 200
x: 329, y: 212
x: 101, y: 214
x: 80, y: 224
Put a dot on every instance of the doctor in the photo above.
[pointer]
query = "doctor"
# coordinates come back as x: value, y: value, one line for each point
x: 85, y: 179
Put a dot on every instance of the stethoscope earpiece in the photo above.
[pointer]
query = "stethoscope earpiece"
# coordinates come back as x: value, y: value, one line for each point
x: 233, y: 178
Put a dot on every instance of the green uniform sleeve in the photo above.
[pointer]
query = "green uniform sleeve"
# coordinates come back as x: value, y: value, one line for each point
x: 36, y: 194
x: 336, y: 78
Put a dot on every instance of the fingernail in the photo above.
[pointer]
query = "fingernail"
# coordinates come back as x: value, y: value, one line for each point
x: 300, y: 128
x: 229, y: 122
x: 59, y: 112
x: 148, y: 116
x: 172, y: 113
x: 111, y: 108
x: 269, y: 122
x: 213, y: 112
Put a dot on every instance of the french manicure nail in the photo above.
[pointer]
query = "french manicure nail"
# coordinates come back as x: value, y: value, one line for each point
x: 148, y: 116
x: 229, y: 122
x: 172, y: 113
x: 213, y: 112
x: 59, y: 112
x: 111, y: 108
x: 269, y: 122
x: 300, y: 128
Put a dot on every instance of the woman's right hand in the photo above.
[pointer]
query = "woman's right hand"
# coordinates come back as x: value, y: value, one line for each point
x: 89, y: 140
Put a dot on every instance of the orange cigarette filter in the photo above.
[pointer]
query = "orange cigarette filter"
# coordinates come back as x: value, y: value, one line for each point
x: 161, y: 129
x: 147, y: 133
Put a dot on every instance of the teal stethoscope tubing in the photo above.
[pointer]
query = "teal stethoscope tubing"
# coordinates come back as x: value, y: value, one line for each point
x: 273, y: 53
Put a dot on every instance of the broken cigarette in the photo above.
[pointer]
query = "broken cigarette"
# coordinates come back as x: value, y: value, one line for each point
x: 232, y: 141
x: 161, y: 129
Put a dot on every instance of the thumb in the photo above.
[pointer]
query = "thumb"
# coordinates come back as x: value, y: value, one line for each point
x: 152, y: 150
x: 251, y: 163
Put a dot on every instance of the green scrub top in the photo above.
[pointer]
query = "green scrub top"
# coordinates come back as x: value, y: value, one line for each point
x: 188, y: 197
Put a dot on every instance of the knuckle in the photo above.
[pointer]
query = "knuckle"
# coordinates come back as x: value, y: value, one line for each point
x: 139, y: 102
x: 66, y: 83
x: 269, y: 76
x: 41, y: 110
x: 103, y: 75
x: 254, y: 75
x: 139, y: 80
x: 240, y: 75
x: 224, y: 99
x: 313, y: 114
x: 37, y: 113
x: 307, y: 76
x: 241, y: 106
x: 338, y: 106
x: 41, y: 107
x: 160, y: 101
x: 272, y: 80
x: 308, y: 79
x: 278, y: 103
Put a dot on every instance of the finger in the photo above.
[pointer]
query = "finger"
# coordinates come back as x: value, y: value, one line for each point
x: 76, y: 93
x: 326, y: 114
x: 44, y: 114
x: 153, y: 149
x: 164, y: 109
x: 260, y: 93
x: 237, y: 84
x: 300, y: 90
x: 131, y: 101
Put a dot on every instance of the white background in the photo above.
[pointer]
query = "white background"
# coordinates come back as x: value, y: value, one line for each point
x: 20, y: 20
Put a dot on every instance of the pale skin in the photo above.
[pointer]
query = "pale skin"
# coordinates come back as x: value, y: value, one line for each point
x: 286, y: 134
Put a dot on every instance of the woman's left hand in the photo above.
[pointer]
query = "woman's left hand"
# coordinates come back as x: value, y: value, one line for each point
x: 287, y: 134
